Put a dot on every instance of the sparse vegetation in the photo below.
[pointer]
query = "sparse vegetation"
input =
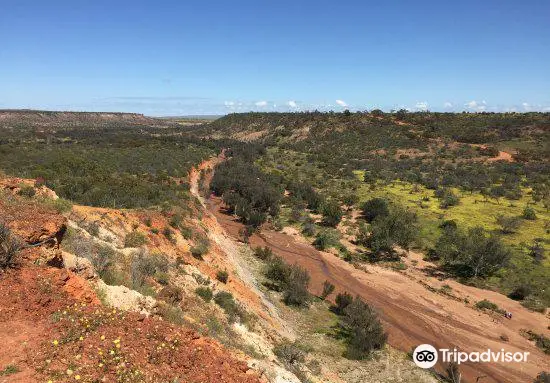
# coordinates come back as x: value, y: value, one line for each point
x: 365, y: 332
x: 135, y: 239
x: 200, y: 249
x: 328, y: 288
x: 488, y: 305
x: 9, y: 247
x: 222, y: 276
x: 9, y: 370
x: 205, y: 293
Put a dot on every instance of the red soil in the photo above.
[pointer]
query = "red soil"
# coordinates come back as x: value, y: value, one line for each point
x: 53, y: 326
x: 39, y: 306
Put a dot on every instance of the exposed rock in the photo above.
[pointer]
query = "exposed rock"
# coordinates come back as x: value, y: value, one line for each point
x: 79, y: 265
x: 123, y: 298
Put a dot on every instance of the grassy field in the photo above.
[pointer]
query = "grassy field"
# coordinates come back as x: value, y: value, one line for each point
x: 473, y: 210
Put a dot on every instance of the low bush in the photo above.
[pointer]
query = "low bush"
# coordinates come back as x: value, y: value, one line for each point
x: 375, y: 207
x: 289, y: 353
x: 277, y: 271
x: 520, y: 293
x: 205, y: 293
x: 232, y: 309
x: 326, y: 238
x: 529, y: 213
x: 488, y: 305
x: 332, y: 213
x: 171, y: 294
x: 9, y: 247
x: 366, y: 333
x: 200, y: 248
x: 263, y: 253
x: 27, y: 191
x: 534, y: 303
x: 328, y: 288
x: 222, y: 276
x: 135, y: 239
x: 296, y: 289
x: 508, y: 225
x: 145, y: 265
x: 342, y: 301
x: 169, y: 234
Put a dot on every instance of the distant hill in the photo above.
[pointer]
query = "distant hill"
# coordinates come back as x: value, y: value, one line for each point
x: 43, y: 118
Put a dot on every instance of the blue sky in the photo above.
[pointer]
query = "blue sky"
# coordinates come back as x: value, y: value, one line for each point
x: 214, y: 57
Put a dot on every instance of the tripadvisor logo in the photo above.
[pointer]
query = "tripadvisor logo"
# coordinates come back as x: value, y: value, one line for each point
x: 426, y: 356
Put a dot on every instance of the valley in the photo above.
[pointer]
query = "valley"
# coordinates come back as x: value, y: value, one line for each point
x: 253, y: 236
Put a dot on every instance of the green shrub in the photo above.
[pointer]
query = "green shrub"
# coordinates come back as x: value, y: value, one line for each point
x: 187, y: 232
x: 263, y: 253
x: 342, y: 301
x: 448, y: 197
x: 534, y: 303
x: 176, y: 220
x: 508, y: 225
x: 168, y: 233
x: 328, y: 288
x: 135, y: 239
x: 366, y: 333
x: 488, y: 305
x: 289, y: 353
x: 541, y: 341
x: 27, y: 191
x: 222, y: 276
x: 376, y: 207
x: 172, y: 314
x: 529, y: 213
x: 226, y: 301
x: 145, y: 266
x: 9, y: 247
x: 162, y: 278
x: 326, y: 238
x: 10, y: 369
x: 296, y: 287
x: 205, y: 293
x: 277, y: 271
x: 332, y: 213
x: 200, y: 249
x: 308, y: 228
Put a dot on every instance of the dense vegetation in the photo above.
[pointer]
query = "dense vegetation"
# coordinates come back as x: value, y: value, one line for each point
x: 432, y: 181
x: 117, y: 166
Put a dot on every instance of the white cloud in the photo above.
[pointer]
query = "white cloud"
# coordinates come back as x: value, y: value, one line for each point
x: 526, y: 106
x: 342, y: 103
x: 229, y: 103
x: 477, y: 106
x: 261, y: 103
x: 292, y: 104
x: 472, y: 104
x: 422, y: 105
x: 447, y: 105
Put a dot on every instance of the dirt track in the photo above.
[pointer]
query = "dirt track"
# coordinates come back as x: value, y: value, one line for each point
x: 411, y: 313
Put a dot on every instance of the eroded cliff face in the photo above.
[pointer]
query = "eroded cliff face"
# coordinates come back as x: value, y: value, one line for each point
x: 54, y: 326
